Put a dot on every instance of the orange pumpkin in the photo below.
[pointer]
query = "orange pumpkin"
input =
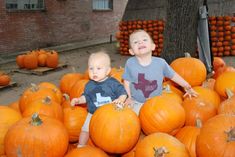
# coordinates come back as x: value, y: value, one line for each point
x: 15, y: 106
x: 44, y: 106
x: 160, y: 145
x: 197, y: 108
x: 42, y: 58
x: 54, y: 88
x: 225, y: 81
x: 228, y: 105
x: 191, y: 69
x: 208, y: 95
x: 188, y: 136
x: 77, y: 89
x: 37, y: 137
x: 160, y: 114
x: 218, y: 62
x: 217, y: 137
x: 74, y: 118
x: 20, y: 61
x: 31, y: 61
x: 86, y: 151
x: 8, y: 117
x: 68, y: 80
x: 5, y: 80
x: 52, y: 60
x: 114, y: 129
x: 33, y: 93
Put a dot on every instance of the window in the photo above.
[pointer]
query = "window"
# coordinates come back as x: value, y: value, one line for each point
x: 25, y: 5
x: 102, y: 4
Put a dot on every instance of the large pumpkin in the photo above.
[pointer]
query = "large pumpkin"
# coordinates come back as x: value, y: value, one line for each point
x: 191, y: 69
x: 8, y: 117
x: 114, y: 129
x: 217, y: 137
x: 160, y: 114
x: 160, y: 145
x: 37, y: 137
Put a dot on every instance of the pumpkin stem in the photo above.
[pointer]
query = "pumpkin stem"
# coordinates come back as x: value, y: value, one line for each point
x: 198, y: 123
x: 66, y: 96
x: 73, y: 69
x: 187, y: 55
x: 160, y: 152
x: 229, y: 93
x: 36, y: 121
x: 34, y: 87
x: 47, y: 100
x: 231, y: 135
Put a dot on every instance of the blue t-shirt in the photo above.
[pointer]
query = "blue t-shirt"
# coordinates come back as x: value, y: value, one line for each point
x: 146, y: 81
x: 100, y: 93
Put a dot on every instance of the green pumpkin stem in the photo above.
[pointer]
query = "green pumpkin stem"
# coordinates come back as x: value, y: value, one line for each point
x: 187, y: 55
x: 36, y: 121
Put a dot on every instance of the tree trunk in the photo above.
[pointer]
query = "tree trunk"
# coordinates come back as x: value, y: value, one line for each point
x: 180, y: 34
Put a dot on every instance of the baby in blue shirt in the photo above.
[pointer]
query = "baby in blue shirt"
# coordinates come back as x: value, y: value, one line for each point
x: 100, y: 90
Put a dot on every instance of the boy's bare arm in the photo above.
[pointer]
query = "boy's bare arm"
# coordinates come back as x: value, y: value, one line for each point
x: 77, y: 101
x: 127, y: 88
x: 187, y: 87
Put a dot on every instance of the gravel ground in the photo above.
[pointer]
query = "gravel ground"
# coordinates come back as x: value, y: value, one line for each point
x: 74, y: 59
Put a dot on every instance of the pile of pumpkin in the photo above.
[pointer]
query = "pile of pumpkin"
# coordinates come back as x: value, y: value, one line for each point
x: 42, y: 122
x: 5, y: 79
x: 38, y: 58
x: 222, y: 33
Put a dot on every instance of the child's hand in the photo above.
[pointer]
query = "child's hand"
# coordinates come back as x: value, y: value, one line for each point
x: 129, y: 102
x: 190, y: 92
x: 74, y: 101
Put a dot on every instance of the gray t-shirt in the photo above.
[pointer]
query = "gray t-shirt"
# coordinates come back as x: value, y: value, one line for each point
x: 146, y: 81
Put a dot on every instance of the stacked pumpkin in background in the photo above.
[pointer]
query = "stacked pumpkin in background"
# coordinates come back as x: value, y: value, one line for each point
x: 222, y: 34
x: 171, y: 124
x: 38, y: 58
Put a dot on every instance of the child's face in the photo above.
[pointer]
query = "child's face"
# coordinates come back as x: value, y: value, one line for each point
x: 141, y: 44
x: 98, y: 69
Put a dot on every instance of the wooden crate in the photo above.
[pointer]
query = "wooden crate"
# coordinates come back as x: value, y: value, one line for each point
x: 11, y: 84
x: 41, y: 70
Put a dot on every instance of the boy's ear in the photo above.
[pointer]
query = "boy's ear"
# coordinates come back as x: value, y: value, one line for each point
x: 153, y: 46
x: 131, y: 52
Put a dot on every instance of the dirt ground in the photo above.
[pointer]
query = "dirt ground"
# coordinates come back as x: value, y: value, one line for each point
x: 74, y: 59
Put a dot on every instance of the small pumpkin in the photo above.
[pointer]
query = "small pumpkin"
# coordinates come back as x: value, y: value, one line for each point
x: 4, y: 80
x: 52, y: 60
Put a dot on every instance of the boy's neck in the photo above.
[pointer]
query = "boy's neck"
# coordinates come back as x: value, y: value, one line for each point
x: 144, y: 60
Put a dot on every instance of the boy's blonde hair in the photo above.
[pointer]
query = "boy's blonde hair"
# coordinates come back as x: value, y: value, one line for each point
x: 100, y: 55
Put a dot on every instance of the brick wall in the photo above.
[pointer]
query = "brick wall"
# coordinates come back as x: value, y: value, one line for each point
x: 62, y: 22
